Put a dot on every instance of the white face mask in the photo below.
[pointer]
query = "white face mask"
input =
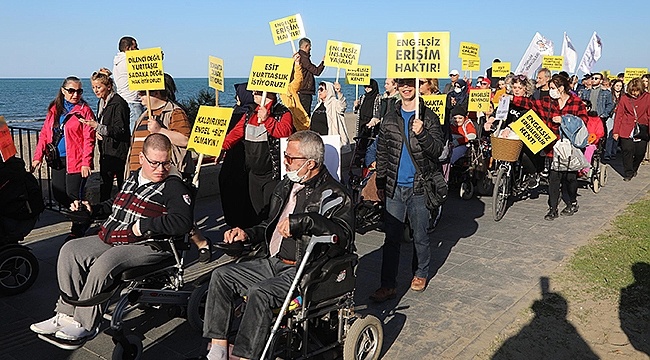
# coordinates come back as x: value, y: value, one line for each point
x: 293, y: 174
x: 554, y: 93
x: 457, y: 90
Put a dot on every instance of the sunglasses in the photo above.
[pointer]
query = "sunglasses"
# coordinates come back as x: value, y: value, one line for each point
x: 321, y: 89
x: 290, y: 159
x: 484, y: 83
x: 458, y: 86
x: 71, y: 91
x: 154, y: 164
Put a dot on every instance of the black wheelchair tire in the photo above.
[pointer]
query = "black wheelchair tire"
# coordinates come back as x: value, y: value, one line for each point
x: 134, y: 353
x: 18, y: 270
x: 500, y: 194
x: 196, y: 306
x: 365, y: 337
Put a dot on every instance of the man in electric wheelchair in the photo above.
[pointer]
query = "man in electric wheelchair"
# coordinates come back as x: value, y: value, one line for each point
x: 153, y: 203
x: 307, y: 202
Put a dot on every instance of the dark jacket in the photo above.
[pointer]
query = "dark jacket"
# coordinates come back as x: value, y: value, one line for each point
x: 306, y: 220
x: 425, y: 148
x: 117, y: 140
x: 308, y: 85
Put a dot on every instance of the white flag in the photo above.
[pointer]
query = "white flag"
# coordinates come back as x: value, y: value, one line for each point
x: 592, y: 54
x: 570, y: 55
x: 532, y: 58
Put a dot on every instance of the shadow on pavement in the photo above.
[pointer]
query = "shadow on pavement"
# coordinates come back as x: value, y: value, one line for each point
x: 634, y: 308
x: 549, y: 335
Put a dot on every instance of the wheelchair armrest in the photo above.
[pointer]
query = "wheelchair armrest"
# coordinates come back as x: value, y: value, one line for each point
x: 322, y: 267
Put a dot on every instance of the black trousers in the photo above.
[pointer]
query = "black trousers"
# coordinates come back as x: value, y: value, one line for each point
x: 265, y: 283
x: 67, y: 188
x: 633, y: 153
x: 305, y: 101
x: 110, y: 167
x: 260, y: 188
x: 565, y: 180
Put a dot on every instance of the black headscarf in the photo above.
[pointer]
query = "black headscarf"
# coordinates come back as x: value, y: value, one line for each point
x: 246, y: 100
x: 460, y: 97
x: 366, y: 109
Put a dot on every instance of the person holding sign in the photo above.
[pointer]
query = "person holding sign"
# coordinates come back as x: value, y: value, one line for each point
x: 261, y: 130
x: 404, y: 145
x: 291, y: 99
x: 368, y: 107
x: 309, y: 70
x: 632, y: 109
x: 70, y: 143
x: 328, y: 117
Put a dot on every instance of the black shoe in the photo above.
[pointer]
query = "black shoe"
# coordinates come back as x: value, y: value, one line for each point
x: 205, y: 254
x: 627, y: 178
x: 570, y: 209
x: 552, y: 215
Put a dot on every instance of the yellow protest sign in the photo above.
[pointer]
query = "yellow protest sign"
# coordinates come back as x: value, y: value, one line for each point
x: 359, y: 75
x: 468, y: 50
x: 209, y: 130
x: 532, y: 131
x: 145, y: 69
x: 342, y: 55
x: 270, y: 73
x: 553, y: 63
x: 7, y: 147
x: 215, y: 73
x: 287, y: 29
x: 500, y: 69
x: 471, y: 64
x: 418, y: 55
x: 437, y: 104
x: 607, y: 74
x: 631, y: 73
x: 479, y: 100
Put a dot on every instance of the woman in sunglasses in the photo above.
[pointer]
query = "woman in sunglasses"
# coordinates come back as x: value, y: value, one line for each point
x: 71, y: 145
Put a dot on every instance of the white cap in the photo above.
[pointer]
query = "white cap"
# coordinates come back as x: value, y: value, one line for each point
x: 454, y: 72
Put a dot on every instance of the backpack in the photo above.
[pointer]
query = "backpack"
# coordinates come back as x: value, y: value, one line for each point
x: 575, y: 130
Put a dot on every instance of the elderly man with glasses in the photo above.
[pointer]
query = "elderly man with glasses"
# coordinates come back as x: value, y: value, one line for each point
x: 153, y: 203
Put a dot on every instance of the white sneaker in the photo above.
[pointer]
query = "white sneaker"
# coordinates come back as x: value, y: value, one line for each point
x: 75, y: 332
x: 52, y: 325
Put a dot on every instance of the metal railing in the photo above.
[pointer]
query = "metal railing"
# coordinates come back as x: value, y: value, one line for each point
x: 25, y: 139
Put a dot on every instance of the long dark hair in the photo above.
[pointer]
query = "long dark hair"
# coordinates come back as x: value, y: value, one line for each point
x: 57, y: 103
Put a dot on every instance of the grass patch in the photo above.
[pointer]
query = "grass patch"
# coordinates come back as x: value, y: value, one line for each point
x: 604, y: 266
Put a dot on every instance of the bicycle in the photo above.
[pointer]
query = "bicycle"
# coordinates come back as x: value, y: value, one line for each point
x: 509, y: 179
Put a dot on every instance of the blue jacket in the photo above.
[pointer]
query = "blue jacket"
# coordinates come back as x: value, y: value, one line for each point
x: 604, y: 105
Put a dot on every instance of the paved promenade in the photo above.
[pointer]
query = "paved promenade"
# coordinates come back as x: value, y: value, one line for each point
x: 483, y: 274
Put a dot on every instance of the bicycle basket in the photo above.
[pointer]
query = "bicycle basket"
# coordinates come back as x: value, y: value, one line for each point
x: 505, y: 149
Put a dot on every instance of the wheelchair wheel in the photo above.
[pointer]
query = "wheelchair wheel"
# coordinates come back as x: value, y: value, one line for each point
x: 133, y: 352
x: 466, y: 190
x: 595, y: 184
x: 500, y: 195
x: 18, y: 270
x: 364, y: 339
x: 603, y: 174
x: 484, y: 185
x: 196, y: 306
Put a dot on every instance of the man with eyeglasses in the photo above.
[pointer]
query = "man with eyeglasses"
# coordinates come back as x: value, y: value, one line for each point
x: 601, y: 99
x: 407, y: 148
x: 153, y: 203
x: 294, y: 217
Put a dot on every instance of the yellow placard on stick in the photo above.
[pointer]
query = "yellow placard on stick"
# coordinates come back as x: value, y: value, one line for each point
x: 437, y: 104
x: 471, y: 64
x: 287, y: 29
x: 479, y: 100
x: 270, y: 73
x: 553, y: 63
x: 418, y: 55
x: 342, y: 55
x: 359, y: 75
x: 500, y: 69
x: 468, y: 50
x: 631, y: 73
x: 209, y: 130
x: 215, y: 73
x: 532, y: 131
x: 145, y: 69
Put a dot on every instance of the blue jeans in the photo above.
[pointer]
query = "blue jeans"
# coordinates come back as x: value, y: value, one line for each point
x: 404, y: 203
x: 610, y: 143
x: 136, y: 109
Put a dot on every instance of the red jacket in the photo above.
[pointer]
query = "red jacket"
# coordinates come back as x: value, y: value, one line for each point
x: 624, y: 118
x: 79, y: 138
x: 595, y: 127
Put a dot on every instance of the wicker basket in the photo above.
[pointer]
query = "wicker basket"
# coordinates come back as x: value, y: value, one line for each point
x: 505, y: 149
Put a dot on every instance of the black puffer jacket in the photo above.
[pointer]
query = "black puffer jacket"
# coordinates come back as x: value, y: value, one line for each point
x: 258, y: 153
x: 425, y: 148
x: 306, y: 220
x: 116, y: 118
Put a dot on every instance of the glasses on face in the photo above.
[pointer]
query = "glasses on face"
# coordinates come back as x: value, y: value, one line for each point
x: 484, y: 83
x: 289, y: 159
x: 71, y: 91
x: 596, y: 79
x: 450, y: 75
x: 321, y: 89
x: 154, y: 164
x: 422, y: 82
x: 458, y: 86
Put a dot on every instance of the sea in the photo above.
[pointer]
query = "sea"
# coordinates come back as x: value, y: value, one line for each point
x: 24, y: 102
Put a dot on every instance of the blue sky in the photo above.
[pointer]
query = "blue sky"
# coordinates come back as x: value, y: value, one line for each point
x: 60, y: 38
